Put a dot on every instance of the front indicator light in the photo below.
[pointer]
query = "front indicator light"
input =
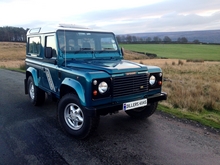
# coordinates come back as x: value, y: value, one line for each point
x: 95, y: 93
x: 160, y: 83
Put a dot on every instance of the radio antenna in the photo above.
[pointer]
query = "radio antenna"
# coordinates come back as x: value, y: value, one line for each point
x: 64, y: 36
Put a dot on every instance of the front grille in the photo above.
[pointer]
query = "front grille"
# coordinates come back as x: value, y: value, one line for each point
x: 131, y: 84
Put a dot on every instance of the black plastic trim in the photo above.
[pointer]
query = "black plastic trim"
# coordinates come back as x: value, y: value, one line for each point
x: 112, y: 108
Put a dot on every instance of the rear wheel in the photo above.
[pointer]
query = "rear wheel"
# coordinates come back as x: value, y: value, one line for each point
x: 36, y: 95
x: 72, y: 117
x: 143, y: 112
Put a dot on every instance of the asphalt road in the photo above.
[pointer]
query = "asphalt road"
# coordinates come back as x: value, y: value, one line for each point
x: 31, y: 135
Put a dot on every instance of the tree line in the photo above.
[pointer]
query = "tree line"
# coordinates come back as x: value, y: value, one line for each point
x: 18, y: 34
x: 156, y: 39
x: 13, y: 34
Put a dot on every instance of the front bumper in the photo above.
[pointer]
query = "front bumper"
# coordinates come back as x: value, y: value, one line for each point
x: 112, y: 108
x: 157, y: 97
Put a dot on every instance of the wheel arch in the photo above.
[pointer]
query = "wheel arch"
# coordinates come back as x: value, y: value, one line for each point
x: 72, y: 86
x: 34, y: 73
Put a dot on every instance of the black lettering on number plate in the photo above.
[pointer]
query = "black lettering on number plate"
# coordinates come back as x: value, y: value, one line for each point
x: 135, y: 104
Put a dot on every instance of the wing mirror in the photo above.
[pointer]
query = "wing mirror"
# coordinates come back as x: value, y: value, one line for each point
x: 48, y: 52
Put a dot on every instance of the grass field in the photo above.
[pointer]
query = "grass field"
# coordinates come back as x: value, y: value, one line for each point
x: 178, y: 51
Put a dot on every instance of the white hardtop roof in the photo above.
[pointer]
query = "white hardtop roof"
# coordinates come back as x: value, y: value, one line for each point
x: 71, y: 27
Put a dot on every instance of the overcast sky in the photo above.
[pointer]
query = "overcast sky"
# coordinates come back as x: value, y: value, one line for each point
x: 119, y: 16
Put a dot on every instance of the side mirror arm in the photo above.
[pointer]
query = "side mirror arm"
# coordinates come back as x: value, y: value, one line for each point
x: 122, y: 51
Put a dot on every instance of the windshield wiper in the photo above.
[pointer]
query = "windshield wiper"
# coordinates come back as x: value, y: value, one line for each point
x: 81, y: 50
x: 86, y: 49
x: 108, y: 49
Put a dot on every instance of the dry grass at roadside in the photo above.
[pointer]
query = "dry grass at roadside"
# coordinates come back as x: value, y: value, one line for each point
x: 129, y: 55
x: 12, y: 51
x: 12, y: 54
x: 190, y: 86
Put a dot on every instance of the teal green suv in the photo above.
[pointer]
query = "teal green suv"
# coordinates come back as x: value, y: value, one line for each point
x: 84, y: 70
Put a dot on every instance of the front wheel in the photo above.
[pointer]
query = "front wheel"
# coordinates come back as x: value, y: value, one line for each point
x: 72, y: 118
x: 143, y: 112
x: 36, y: 95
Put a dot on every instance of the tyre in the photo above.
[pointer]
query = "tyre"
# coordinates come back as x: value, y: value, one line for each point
x: 36, y: 95
x: 143, y: 112
x: 72, y: 118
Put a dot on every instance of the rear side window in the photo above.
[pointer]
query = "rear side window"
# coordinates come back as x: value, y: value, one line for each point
x: 34, y: 46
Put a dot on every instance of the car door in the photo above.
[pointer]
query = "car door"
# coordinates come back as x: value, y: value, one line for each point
x: 49, y: 66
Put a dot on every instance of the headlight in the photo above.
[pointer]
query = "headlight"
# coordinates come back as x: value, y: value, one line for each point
x: 152, y: 80
x: 103, y: 87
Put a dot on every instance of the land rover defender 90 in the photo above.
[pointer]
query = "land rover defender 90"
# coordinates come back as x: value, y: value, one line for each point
x: 84, y: 70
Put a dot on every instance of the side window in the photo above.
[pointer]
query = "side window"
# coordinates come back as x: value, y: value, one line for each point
x: 34, y: 46
x: 51, y: 42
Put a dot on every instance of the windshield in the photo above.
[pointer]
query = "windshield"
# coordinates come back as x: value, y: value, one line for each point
x: 72, y: 41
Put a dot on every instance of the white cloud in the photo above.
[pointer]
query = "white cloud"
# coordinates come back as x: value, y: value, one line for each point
x: 118, y: 16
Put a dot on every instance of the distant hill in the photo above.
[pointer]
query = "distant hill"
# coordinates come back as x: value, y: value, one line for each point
x: 206, y: 36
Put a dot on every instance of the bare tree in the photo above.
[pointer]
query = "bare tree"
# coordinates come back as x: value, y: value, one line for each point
x: 182, y: 40
x: 167, y: 39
